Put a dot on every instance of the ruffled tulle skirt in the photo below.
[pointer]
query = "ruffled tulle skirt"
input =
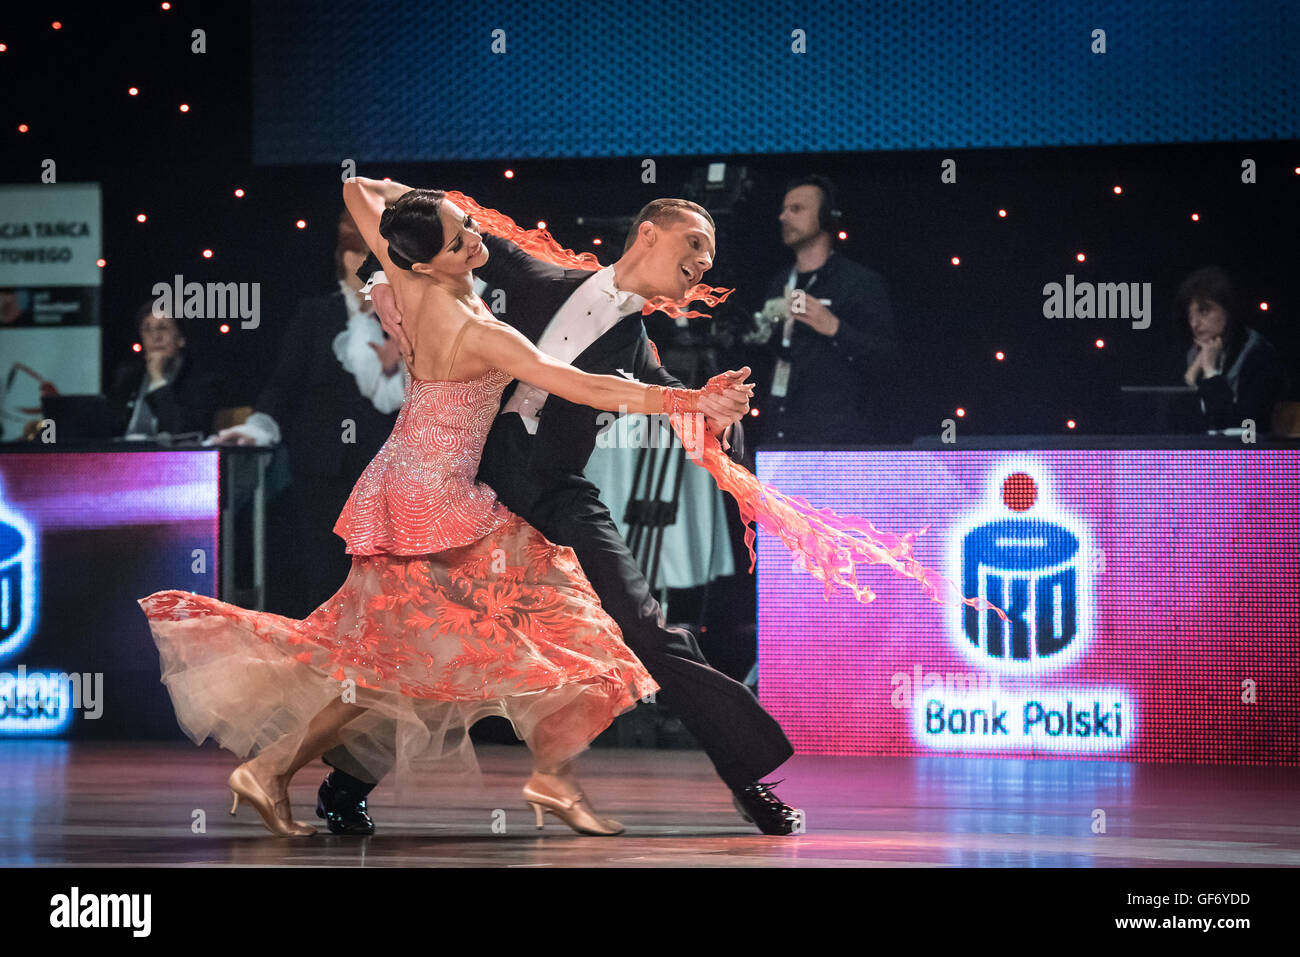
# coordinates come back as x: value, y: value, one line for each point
x: 508, y: 626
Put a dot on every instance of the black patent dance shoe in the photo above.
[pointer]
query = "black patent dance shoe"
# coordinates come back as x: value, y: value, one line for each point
x: 759, y: 805
x: 341, y: 801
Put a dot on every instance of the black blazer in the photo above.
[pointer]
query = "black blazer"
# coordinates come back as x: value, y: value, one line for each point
x: 566, y: 432
x: 309, y: 394
x: 186, y: 404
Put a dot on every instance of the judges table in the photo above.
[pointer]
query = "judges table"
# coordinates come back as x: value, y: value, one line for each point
x: 1151, y: 588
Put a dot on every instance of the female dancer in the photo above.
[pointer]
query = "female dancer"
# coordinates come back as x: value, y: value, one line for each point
x: 454, y: 608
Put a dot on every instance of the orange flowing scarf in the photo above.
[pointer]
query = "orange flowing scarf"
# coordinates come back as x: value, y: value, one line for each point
x: 828, y: 546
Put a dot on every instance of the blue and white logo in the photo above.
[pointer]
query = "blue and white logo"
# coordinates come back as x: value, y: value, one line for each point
x: 17, y: 580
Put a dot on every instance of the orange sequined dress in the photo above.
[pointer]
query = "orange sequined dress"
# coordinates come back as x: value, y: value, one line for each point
x: 454, y: 609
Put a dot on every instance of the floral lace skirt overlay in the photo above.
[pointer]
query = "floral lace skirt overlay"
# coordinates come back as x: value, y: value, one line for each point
x: 507, y: 625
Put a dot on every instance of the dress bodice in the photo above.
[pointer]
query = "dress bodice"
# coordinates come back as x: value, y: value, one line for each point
x: 418, y: 495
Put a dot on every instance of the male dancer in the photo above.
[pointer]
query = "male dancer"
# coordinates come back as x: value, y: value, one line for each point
x: 535, y: 463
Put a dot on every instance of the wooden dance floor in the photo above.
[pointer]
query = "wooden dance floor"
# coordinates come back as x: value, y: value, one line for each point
x: 118, y: 804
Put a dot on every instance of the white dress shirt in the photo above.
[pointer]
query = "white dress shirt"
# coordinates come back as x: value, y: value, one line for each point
x: 352, y: 348
x: 594, y: 308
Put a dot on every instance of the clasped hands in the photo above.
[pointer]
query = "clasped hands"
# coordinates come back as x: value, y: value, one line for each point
x: 725, y: 401
x: 1206, y: 362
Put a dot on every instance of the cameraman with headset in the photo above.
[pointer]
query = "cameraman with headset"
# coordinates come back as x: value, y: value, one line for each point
x: 828, y: 322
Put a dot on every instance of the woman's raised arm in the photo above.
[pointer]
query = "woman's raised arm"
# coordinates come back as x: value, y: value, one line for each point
x: 366, y: 200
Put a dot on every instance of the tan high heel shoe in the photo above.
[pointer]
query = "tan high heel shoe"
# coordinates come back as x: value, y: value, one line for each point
x: 576, y: 812
x: 244, y: 784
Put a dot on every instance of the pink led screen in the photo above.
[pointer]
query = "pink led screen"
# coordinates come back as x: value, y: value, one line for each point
x: 1153, y: 598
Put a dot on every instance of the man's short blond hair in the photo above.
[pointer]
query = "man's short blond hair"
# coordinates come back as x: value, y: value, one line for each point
x: 664, y: 211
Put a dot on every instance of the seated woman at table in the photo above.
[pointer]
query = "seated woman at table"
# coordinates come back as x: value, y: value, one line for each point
x: 166, y: 391
x: 1237, y: 373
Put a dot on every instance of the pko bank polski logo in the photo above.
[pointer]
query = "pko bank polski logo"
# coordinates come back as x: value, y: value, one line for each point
x: 1034, y: 561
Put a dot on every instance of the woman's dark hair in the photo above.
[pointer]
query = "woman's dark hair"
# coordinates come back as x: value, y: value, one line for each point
x: 147, y: 310
x: 413, y: 227
x: 1212, y: 284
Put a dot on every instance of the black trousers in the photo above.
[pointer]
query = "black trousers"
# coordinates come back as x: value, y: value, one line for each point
x: 743, y: 741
